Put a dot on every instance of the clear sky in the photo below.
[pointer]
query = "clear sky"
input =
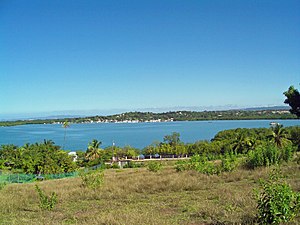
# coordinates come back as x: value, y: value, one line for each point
x: 59, y: 55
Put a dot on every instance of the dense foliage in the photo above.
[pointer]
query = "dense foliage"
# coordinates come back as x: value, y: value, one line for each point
x: 45, y: 158
x: 201, y: 164
x: 276, y: 201
x: 261, y: 147
x: 269, y: 154
x: 293, y: 99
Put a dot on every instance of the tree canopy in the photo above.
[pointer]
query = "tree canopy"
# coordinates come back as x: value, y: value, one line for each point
x: 293, y: 99
x: 45, y: 158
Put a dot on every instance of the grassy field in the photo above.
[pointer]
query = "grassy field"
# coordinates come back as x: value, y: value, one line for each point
x: 138, y: 196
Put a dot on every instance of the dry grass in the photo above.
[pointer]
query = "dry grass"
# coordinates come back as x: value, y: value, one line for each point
x: 137, y: 196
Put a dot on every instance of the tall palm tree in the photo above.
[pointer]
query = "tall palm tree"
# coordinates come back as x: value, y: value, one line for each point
x: 279, y: 136
x: 93, y: 151
x: 65, y: 126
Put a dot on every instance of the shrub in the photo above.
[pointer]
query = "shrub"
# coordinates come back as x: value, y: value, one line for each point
x: 267, y: 155
x: 208, y: 168
x: 287, y: 153
x: 276, y: 202
x: 154, y: 166
x: 115, y: 166
x: 133, y: 165
x: 201, y: 164
x: 2, y: 185
x: 229, y: 162
x: 46, y: 202
x: 92, y: 179
x: 181, y: 165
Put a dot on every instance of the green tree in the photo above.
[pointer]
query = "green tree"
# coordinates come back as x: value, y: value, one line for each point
x: 93, y: 151
x: 37, y: 158
x: 293, y: 99
x: 242, y: 144
x: 172, y: 139
x: 277, y: 203
x: 65, y: 126
x: 295, y: 136
x: 279, y: 136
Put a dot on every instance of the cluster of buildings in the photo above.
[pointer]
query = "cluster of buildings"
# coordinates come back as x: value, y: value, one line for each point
x: 124, y: 121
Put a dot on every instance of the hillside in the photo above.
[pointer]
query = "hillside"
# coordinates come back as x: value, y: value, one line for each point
x: 138, y: 196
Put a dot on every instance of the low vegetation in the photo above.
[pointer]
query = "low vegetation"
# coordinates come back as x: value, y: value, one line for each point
x: 93, y: 179
x: 138, y: 196
x: 276, y: 201
x: 154, y: 166
x: 201, y: 164
x: 46, y: 202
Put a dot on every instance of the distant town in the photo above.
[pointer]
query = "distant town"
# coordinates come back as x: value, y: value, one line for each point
x: 150, y: 117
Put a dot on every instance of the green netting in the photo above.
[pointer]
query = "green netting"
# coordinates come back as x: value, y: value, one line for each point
x: 2, y: 178
x: 26, y: 178
x: 59, y: 176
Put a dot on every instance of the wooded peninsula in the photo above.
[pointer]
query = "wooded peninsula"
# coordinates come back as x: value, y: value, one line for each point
x: 136, y: 117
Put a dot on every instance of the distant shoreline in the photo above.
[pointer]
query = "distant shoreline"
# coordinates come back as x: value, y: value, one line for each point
x: 150, y: 117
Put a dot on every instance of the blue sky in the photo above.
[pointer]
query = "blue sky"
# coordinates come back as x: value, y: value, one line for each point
x: 60, y: 55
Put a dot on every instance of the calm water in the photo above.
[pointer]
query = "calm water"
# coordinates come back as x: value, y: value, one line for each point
x: 137, y: 135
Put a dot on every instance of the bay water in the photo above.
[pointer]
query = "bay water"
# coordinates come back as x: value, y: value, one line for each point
x: 136, y: 135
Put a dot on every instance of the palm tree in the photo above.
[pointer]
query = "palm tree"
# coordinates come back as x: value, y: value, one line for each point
x: 242, y: 144
x: 279, y: 135
x: 65, y: 126
x: 48, y: 142
x: 93, y: 151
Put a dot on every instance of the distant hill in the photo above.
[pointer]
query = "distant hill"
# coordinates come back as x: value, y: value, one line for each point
x: 55, y: 117
x: 267, y: 108
x: 273, y: 112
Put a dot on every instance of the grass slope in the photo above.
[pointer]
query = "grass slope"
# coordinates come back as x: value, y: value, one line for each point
x: 137, y: 196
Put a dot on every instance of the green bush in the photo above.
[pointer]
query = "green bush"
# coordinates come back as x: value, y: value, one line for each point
x: 181, y: 165
x: 2, y: 185
x: 115, y: 166
x: 132, y: 165
x: 92, y: 179
x: 201, y: 164
x: 154, y: 166
x: 229, y: 162
x: 267, y: 155
x: 276, y: 201
x: 46, y: 202
x: 208, y: 168
x: 287, y: 153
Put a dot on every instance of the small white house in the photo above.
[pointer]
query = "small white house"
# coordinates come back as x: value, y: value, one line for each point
x: 73, y: 155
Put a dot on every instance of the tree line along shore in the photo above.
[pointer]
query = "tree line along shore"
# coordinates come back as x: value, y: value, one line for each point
x: 135, y: 117
x: 48, y: 158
